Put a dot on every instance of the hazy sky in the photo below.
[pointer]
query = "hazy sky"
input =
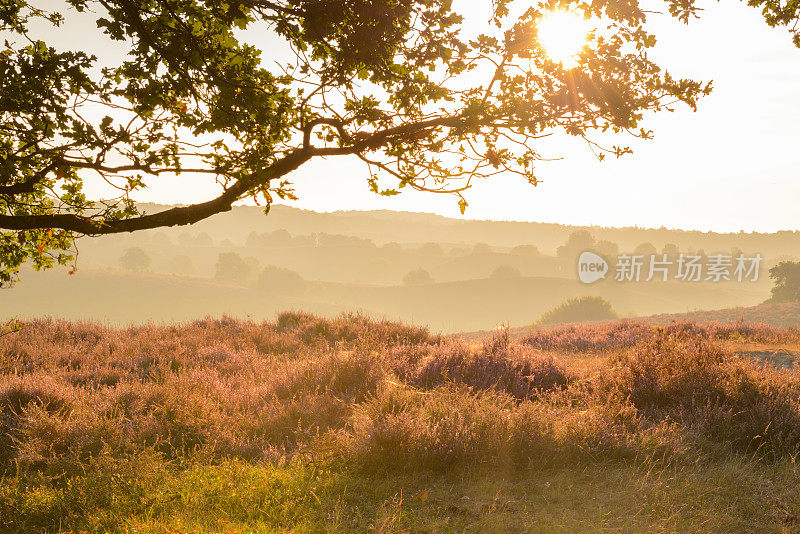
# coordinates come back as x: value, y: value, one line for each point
x: 734, y: 164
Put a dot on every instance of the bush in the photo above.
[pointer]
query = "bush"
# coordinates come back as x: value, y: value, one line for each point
x: 135, y: 259
x: 525, y: 250
x: 481, y: 248
x: 495, y: 366
x: 505, y: 271
x: 686, y: 377
x: 580, y: 309
x: 418, y: 277
x: 280, y: 281
x: 590, y: 337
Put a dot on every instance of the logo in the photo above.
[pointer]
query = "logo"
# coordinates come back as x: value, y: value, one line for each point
x: 591, y: 268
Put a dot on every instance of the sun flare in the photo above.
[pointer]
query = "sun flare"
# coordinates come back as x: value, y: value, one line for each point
x: 563, y: 35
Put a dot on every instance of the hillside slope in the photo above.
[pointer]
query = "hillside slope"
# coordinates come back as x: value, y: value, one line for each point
x: 777, y: 315
x: 122, y: 297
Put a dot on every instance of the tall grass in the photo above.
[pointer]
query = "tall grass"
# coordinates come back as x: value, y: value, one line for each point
x: 620, y: 335
x: 80, y: 399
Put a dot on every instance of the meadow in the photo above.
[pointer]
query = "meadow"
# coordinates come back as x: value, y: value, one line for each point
x: 307, y: 424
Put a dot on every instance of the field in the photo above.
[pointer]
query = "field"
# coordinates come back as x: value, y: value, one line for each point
x: 351, y: 425
x: 465, y: 305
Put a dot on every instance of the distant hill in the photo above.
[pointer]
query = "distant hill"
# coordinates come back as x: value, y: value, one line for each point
x: 357, y: 261
x: 785, y: 314
x: 123, y: 297
x: 383, y: 226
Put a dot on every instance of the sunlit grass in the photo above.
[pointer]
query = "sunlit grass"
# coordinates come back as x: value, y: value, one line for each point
x: 348, y: 425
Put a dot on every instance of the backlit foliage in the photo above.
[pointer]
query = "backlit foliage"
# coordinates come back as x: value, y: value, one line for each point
x: 398, y: 84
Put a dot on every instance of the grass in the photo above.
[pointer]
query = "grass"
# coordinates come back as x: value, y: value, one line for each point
x: 350, y: 425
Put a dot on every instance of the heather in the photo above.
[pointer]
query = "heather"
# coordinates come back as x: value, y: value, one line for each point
x: 348, y: 424
x: 613, y: 336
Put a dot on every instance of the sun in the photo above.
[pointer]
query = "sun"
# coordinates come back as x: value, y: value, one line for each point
x: 563, y: 35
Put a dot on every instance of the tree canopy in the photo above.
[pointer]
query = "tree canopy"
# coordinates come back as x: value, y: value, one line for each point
x: 786, y: 276
x: 396, y: 83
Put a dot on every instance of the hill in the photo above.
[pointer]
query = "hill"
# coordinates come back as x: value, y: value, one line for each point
x: 775, y: 315
x: 383, y: 226
x: 123, y: 297
x: 357, y: 261
x: 780, y: 315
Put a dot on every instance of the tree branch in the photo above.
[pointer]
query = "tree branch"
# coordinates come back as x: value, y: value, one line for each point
x: 28, y: 186
x: 196, y: 212
x: 173, y: 217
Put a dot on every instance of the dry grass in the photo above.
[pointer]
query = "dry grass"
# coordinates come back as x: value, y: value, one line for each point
x: 265, y: 426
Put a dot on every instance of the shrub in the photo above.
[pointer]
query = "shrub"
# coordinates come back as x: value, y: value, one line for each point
x: 495, y: 367
x: 688, y: 378
x: 135, y: 259
x: 585, y: 338
x: 580, y: 309
x: 350, y: 329
x: 505, y: 271
x: 417, y: 277
x: 280, y: 281
x: 525, y: 250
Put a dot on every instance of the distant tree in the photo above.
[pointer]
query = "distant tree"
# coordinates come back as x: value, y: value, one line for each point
x: 135, y: 259
x: 580, y: 309
x: 786, y: 276
x: 253, y: 240
x: 431, y: 249
x: 525, y: 250
x: 646, y: 250
x: 231, y: 268
x: 417, y: 277
x: 505, y: 271
x: 281, y: 281
x: 671, y: 250
x: 183, y: 266
x: 701, y: 253
x: 607, y: 249
x: 578, y: 241
x: 253, y: 264
x: 337, y: 240
x: 280, y: 238
x: 481, y: 248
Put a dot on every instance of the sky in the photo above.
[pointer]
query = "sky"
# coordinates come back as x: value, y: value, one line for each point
x: 732, y: 165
